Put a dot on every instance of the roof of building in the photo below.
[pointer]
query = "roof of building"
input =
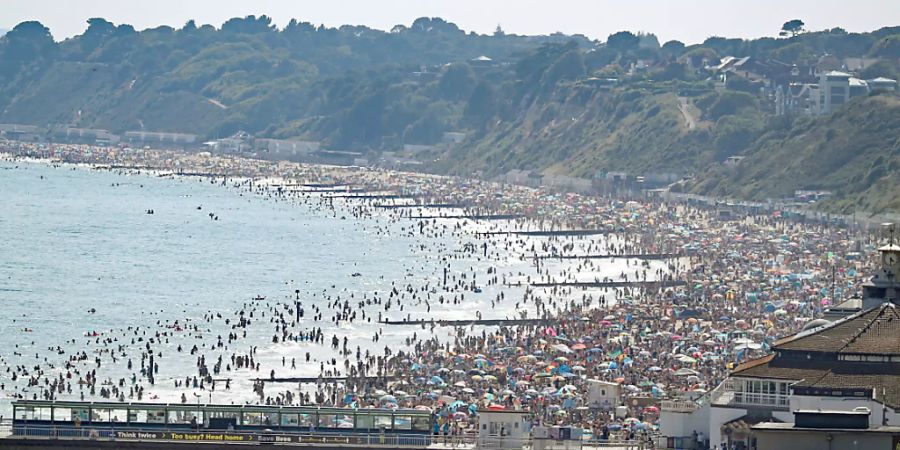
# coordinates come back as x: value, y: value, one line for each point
x: 872, y: 332
x: 778, y: 426
x: 876, y: 331
x: 837, y: 73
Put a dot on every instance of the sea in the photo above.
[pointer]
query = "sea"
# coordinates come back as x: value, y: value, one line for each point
x: 79, y: 254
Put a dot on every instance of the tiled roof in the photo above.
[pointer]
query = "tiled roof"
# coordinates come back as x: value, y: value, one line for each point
x: 773, y: 371
x: 876, y: 331
x: 886, y: 385
x: 872, y: 332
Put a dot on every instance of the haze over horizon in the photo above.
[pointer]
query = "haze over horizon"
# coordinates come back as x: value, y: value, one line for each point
x: 690, y: 21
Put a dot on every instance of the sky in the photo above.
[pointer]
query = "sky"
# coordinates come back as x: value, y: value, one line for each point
x: 690, y: 21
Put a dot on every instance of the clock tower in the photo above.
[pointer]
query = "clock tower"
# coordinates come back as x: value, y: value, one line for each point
x: 885, y: 284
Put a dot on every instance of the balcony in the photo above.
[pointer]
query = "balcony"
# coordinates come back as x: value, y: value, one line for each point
x: 734, y: 392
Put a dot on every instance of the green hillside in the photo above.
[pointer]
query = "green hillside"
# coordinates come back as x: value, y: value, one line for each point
x: 552, y: 104
x: 855, y: 152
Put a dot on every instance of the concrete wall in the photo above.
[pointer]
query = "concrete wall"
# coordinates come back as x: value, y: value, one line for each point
x: 675, y: 424
x: 718, y: 416
x: 878, y: 411
x: 798, y: 440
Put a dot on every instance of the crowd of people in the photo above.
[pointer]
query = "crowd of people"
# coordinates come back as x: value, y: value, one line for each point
x: 540, y: 262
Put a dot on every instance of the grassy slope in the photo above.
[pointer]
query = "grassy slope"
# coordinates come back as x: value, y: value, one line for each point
x: 854, y: 152
x: 107, y: 102
x: 580, y: 131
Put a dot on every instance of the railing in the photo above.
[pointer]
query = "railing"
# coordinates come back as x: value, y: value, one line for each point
x: 729, y: 394
x: 344, y: 440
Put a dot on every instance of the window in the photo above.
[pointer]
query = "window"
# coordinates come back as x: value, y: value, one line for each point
x: 421, y: 423
x: 306, y: 420
x: 155, y: 415
x: 365, y: 421
x: 258, y: 418
x: 118, y: 415
x: 327, y: 421
x: 33, y: 413
x: 402, y: 422
x: 100, y: 415
x: 253, y: 418
x: 226, y: 415
x: 182, y: 417
x: 289, y: 420
x: 62, y: 414
x: 81, y: 414
x: 383, y: 421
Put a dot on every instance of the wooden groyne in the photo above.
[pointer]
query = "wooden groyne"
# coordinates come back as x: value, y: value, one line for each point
x: 645, y: 256
x: 466, y: 323
x: 546, y: 233
x: 471, y: 217
x: 323, y: 379
x: 349, y: 190
x: 352, y: 196
x: 421, y: 205
x: 603, y: 284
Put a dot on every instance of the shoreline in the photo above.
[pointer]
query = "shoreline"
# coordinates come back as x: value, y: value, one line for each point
x: 543, y: 246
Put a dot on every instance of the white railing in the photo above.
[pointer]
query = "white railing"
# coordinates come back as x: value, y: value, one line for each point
x: 730, y: 393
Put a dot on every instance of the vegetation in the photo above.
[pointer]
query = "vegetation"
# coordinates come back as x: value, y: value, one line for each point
x: 556, y: 104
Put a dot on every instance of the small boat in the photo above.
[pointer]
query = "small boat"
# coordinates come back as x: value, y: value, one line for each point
x: 259, y: 298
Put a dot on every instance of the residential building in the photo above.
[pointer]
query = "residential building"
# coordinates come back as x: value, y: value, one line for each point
x: 833, y: 91
x: 882, y: 84
x: 84, y: 135
x: 155, y: 137
x: 603, y: 394
x: 285, y: 149
x: 20, y: 132
x: 454, y: 137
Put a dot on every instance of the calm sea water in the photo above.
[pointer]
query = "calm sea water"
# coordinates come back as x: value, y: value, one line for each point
x: 76, y: 240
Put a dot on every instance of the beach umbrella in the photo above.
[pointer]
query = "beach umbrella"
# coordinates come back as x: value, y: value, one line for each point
x: 460, y: 384
x: 578, y: 368
x: 563, y: 348
x: 476, y: 378
x: 468, y: 390
x: 654, y: 368
x: 684, y: 371
x: 436, y: 380
x: 388, y: 398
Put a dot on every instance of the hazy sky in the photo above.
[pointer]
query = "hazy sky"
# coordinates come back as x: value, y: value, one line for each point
x: 690, y: 21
